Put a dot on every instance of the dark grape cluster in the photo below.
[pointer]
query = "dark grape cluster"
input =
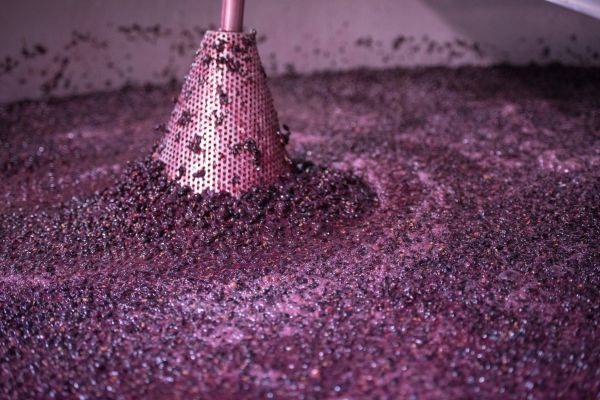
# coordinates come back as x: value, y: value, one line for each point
x: 148, y: 212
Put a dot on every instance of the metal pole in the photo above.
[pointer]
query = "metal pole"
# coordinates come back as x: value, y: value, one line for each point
x: 232, y: 15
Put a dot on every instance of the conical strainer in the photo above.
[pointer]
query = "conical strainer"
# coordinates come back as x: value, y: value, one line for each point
x: 223, y: 134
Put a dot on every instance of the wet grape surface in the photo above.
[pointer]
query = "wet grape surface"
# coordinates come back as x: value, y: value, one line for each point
x: 442, y: 242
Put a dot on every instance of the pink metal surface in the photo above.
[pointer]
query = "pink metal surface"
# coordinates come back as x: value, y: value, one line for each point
x: 224, y: 133
x: 232, y: 15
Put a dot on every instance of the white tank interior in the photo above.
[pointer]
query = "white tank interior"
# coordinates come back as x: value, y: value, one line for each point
x: 67, y: 47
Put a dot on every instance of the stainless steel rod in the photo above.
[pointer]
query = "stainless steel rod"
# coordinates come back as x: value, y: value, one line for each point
x: 232, y: 15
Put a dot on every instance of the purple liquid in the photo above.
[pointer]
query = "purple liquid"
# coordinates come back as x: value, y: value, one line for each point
x: 473, y: 272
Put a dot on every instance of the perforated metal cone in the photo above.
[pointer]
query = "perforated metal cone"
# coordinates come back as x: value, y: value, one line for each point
x: 223, y: 134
